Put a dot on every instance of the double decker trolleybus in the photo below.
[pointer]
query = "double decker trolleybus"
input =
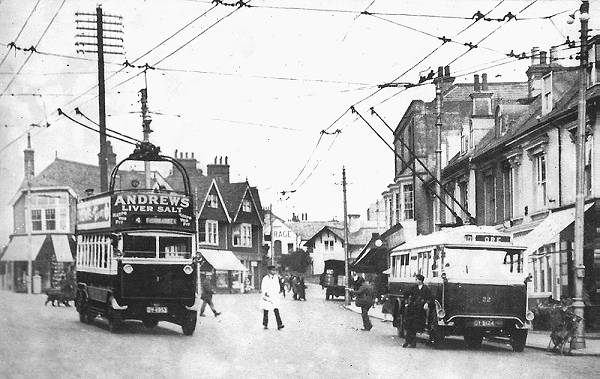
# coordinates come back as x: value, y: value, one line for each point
x: 475, y: 275
x: 134, y: 252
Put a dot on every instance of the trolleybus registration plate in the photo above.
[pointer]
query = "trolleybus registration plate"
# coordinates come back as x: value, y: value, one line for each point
x: 156, y: 310
x: 486, y: 323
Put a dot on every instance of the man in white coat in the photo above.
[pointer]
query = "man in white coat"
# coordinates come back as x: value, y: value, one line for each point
x: 270, y: 299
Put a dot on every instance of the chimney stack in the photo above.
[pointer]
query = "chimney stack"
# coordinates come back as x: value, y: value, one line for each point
x: 219, y: 171
x: 28, y: 156
x: 542, y: 57
x: 535, y: 55
x: 447, y: 71
x: 476, y: 86
x: 484, y: 82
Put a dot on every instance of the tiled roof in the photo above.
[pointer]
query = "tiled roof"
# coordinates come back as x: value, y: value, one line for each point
x: 232, y: 194
x: 64, y: 173
x: 503, y: 90
x: 360, y: 237
x: 307, y: 229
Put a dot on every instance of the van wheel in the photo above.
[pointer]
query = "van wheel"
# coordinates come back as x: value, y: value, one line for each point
x: 517, y: 340
x: 189, y: 324
x: 473, y: 339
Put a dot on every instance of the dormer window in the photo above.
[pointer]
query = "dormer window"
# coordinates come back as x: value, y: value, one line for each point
x: 499, y: 122
x: 464, y: 139
x: 547, y: 94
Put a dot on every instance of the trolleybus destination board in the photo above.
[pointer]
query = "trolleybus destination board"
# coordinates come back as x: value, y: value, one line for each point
x: 137, y: 209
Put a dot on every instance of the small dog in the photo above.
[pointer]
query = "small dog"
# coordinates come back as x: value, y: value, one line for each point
x: 56, y: 295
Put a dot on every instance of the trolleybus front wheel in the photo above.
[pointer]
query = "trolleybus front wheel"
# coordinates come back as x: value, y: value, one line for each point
x: 189, y: 323
x: 517, y: 340
x: 150, y: 322
x: 473, y: 339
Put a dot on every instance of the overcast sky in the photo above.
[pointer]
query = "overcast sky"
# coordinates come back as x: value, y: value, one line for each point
x: 257, y: 87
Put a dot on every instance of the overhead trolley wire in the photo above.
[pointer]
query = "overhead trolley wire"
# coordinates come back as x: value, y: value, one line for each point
x: 34, y: 47
x: 21, y: 30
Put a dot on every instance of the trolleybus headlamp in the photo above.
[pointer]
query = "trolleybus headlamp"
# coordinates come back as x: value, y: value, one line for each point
x: 128, y: 269
x: 529, y: 315
x: 188, y: 269
x: 441, y: 313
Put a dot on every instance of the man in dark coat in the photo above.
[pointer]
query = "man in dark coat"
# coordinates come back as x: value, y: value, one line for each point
x: 416, y: 311
x: 365, y: 297
x: 206, y: 296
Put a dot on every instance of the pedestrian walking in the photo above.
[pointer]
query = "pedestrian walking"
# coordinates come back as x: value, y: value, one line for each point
x: 270, y: 298
x: 207, y: 295
x: 301, y: 289
x: 365, y: 300
x: 295, y: 286
x: 282, y: 286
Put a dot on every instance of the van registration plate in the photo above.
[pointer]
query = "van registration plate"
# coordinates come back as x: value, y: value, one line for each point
x: 482, y: 323
x: 156, y: 310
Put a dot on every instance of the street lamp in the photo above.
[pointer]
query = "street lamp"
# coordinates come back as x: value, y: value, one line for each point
x: 578, y: 304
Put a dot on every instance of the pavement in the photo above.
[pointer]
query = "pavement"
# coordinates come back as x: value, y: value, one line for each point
x: 536, y: 339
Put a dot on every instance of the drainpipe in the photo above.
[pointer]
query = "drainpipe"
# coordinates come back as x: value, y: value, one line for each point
x: 559, y: 167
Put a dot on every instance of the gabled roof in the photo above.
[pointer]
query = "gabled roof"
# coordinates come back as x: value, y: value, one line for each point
x: 307, y: 229
x: 203, y: 200
x: 81, y: 176
x: 248, y: 192
x: 360, y: 237
x: 232, y: 193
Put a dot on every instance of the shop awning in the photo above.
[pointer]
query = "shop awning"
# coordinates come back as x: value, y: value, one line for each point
x: 547, y: 230
x: 223, y: 260
x: 19, y: 249
x: 62, y: 249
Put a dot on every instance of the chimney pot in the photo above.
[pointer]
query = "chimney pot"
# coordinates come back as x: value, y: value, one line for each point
x: 192, y: 155
x: 542, y: 57
x: 226, y: 159
x: 440, y: 71
x: 186, y: 155
x: 484, y: 82
x: 175, y: 153
x: 447, y: 71
x: 535, y: 55
x: 215, y: 159
x: 476, y: 86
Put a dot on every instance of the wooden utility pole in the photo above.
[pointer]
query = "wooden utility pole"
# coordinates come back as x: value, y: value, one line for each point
x: 438, y: 148
x: 346, y: 265
x: 97, y: 19
x: 578, y: 304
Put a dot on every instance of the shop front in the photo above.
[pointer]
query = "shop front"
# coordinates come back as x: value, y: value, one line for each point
x: 225, y: 270
x: 37, y: 262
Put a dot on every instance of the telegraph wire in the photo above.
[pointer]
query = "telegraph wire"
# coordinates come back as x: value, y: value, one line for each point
x: 141, y: 56
x: 199, y: 34
x: 34, y: 47
x: 21, y: 30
